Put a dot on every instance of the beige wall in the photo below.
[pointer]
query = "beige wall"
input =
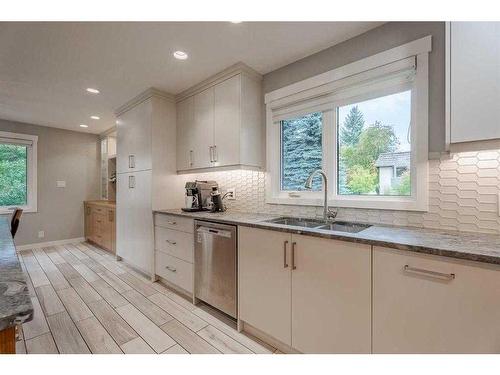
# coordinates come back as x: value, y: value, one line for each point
x: 374, y: 41
x: 62, y: 155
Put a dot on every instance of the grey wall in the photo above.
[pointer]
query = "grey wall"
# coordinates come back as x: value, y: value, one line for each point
x: 62, y: 155
x: 374, y: 41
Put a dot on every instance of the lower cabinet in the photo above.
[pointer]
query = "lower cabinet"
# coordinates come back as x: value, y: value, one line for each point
x: 431, y: 304
x: 174, y: 251
x: 100, y: 227
x: 310, y: 293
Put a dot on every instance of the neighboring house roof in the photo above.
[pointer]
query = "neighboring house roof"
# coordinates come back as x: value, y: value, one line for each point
x: 393, y: 159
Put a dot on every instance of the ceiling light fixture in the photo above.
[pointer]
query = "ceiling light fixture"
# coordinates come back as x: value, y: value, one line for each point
x: 95, y: 117
x: 92, y: 91
x: 83, y: 126
x: 236, y: 21
x: 180, y: 55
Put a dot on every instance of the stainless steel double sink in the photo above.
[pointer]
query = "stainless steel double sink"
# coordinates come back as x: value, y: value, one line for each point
x: 338, y: 226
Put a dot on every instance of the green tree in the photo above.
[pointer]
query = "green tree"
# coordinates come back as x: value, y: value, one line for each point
x: 373, y: 141
x: 12, y: 175
x: 361, y: 180
x: 301, y: 150
x: 352, y: 128
x: 404, y: 185
x: 359, y: 160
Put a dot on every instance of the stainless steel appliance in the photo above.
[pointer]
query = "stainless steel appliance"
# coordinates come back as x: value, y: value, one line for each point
x: 216, y: 265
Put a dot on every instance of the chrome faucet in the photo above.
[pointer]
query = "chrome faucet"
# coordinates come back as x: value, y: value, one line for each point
x: 328, y: 214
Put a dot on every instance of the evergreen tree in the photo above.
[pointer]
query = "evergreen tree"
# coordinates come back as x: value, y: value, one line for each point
x: 352, y: 128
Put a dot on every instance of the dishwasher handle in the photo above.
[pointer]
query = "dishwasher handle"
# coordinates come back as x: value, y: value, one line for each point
x: 214, y: 232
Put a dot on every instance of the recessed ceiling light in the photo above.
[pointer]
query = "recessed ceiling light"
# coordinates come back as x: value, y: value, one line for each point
x: 83, y: 126
x: 95, y: 117
x: 92, y: 91
x: 180, y: 55
x: 235, y: 21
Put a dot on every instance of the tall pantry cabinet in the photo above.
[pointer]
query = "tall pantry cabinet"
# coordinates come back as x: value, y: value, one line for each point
x: 146, y: 167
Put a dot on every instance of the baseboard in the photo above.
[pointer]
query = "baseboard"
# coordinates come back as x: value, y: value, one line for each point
x: 49, y: 243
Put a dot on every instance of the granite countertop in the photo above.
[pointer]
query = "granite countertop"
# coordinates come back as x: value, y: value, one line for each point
x: 15, y: 302
x: 109, y: 204
x: 461, y: 245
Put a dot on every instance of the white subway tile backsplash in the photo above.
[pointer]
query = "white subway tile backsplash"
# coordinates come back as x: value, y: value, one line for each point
x: 463, y: 194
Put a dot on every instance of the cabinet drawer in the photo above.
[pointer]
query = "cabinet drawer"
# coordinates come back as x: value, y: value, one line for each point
x: 98, y: 210
x: 175, y: 222
x: 174, y: 270
x: 174, y: 242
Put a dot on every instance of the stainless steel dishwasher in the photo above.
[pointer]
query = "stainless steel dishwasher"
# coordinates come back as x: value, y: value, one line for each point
x: 215, y: 264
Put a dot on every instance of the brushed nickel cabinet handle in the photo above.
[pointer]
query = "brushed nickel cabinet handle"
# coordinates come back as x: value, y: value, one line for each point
x: 215, y: 153
x: 171, y: 269
x: 131, y: 182
x: 421, y: 271
x: 211, y: 150
x: 131, y: 161
x: 172, y: 222
x: 171, y: 242
x: 190, y: 158
x: 285, y: 245
x: 294, y: 267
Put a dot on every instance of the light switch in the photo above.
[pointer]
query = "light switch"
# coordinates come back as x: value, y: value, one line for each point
x: 61, y: 184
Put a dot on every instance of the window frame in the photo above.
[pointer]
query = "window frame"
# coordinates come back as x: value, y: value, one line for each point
x: 32, y: 156
x: 318, y: 94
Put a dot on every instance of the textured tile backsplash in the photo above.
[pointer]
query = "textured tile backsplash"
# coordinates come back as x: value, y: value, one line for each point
x: 463, y: 195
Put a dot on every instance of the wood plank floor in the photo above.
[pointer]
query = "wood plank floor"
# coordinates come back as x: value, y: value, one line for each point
x: 87, y: 302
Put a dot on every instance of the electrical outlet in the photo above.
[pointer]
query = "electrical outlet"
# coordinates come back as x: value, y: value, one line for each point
x: 41, y: 234
x: 231, y: 194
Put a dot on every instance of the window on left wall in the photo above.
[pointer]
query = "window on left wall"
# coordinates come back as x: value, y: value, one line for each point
x: 18, y: 163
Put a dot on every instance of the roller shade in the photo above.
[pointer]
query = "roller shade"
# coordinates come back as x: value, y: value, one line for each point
x: 397, y: 72
x: 16, y: 141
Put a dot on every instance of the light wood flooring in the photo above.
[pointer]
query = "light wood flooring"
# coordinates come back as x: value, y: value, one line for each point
x: 87, y: 302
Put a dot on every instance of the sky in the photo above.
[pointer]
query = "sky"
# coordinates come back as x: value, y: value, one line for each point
x: 393, y: 110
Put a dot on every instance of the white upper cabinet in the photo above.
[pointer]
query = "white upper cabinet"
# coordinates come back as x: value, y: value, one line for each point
x: 134, y: 142
x: 473, y: 86
x: 203, y: 130
x: 185, y: 136
x: 227, y: 121
x: 219, y: 121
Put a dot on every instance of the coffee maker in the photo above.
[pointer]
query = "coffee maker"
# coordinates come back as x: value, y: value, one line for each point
x: 198, y: 197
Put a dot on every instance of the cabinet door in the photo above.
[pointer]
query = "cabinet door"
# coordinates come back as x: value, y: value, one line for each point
x: 331, y: 296
x: 185, y: 133
x: 134, y: 219
x: 227, y: 122
x: 264, y: 281
x: 475, y: 81
x: 203, y: 131
x: 424, y: 310
x: 134, y: 139
x: 88, y: 222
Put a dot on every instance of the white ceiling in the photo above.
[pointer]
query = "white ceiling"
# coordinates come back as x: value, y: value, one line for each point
x: 45, y: 67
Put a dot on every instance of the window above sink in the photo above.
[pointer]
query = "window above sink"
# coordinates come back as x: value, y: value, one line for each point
x: 363, y: 124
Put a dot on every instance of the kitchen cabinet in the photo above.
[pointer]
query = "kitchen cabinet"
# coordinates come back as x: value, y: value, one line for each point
x: 201, y: 152
x: 331, y: 296
x: 430, y: 304
x: 100, y: 227
x: 219, y: 121
x: 134, y: 142
x: 185, y: 133
x: 135, y: 219
x: 264, y: 275
x: 174, y: 251
x: 146, y: 166
x: 311, y: 294
x: 473, y: 81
